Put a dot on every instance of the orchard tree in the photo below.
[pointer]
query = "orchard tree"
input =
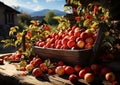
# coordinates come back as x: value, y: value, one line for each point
x: 49, y: 18
x: 24, y: 20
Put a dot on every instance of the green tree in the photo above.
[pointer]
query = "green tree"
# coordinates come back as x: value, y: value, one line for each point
x: 49, y: 18
x: 24, y: 20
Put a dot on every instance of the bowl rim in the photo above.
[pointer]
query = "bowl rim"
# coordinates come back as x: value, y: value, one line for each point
x: 55, y: 49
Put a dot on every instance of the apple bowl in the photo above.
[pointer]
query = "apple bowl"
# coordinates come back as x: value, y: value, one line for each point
x: 68, y: 56
x: 80, y: 56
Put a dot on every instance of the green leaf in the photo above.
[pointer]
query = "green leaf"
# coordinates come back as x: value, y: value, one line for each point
x: 106, y: 14
x: 17, y: 42
x: 51, y: 66
x: 110, y: 39
x: 22, y: 63
x: 47, y: 62
x: 57, y: 18
x: 94, y: 24
x: 107, y: 44
x: 86, y: 23
x: 11, y: 33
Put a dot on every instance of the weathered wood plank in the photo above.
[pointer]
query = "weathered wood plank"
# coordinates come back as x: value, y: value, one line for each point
x: 11, y: 76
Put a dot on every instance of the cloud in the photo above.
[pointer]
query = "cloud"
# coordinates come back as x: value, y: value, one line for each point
x: 35, y: 1
x: 50, y: 0
x: 28, y: 4
x: 10, y: 3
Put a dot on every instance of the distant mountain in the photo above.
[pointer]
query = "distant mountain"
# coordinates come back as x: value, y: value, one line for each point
x: 44, y: 11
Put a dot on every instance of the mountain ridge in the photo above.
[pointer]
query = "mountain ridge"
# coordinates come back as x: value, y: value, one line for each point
x: 44, y: 11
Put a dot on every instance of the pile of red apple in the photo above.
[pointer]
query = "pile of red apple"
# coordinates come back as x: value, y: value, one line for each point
x: 13, y: 57
x: 38, y: 68
x: 71, y: 38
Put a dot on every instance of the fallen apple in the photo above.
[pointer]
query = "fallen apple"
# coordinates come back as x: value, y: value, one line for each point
x: 89, y: 77
x: 73, y: 78
x: 77, y: 68
x: 82, y: 73
x: 59, y: 71
x: 69, y: 70
x: 110, y: 76
x: 37, y: 72
x: 1, y: 61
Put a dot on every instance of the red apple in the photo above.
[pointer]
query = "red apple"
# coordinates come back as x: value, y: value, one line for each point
x: 77, y: 29
x: 77, y: 39
x: 41, y: 44
x: 82, y: 30
x: 72, y: 38
x: 43, y: 67
x: 69, y: 70
x: 89, y: 40
x: 60, y: 33
x: 81, y: 44
x: 54, y: 34
x: 22, y: 68
x: 89, y: 33
x: 29, y: 67
x: 59, y: 42
x: 37, y: 72
x: 37, y: 62
x: 71, y: 43
x: 64, y: 66
x: 88, y: 16
x: 75, y: 47
x: 94, y: 36
x: 48, y: 44
x: 82, y: 73
x: 73, y: 78
x: 104, y: 71
x: 52, y: 40
x: 110, y: 76
x: 1, y: 61
x: 74, y: 27
x: 18, y: 55
x: 64, y: 41
x: 48, y: 36
x: 60, y: 63
x: 77, y: 68
x: 6, y: 58
x: 57, y: 37
x: 48, y: 39
x: 51, y: 71
x: 71, y: 33
x: 96, y: 67
x: 37, y: 43
x: 12, y: 57
x: 83, y: 35
x: 115, y: 83
x: 88, y: 69
x: 58, y: 46
x: 89, y: 77
x: 88, y: 46
x: 59, y: 71
x: 77, y: 33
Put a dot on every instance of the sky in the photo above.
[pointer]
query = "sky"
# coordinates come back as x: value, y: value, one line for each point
x: 37, y: 5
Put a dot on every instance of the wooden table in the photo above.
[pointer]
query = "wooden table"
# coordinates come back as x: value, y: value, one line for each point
x: 10, y: 76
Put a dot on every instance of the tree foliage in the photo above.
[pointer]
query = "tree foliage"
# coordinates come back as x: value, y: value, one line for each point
x: 49, y: 18
x: 24, y: 18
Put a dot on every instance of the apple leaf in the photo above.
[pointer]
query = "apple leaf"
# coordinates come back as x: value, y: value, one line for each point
x: 47, y: 62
